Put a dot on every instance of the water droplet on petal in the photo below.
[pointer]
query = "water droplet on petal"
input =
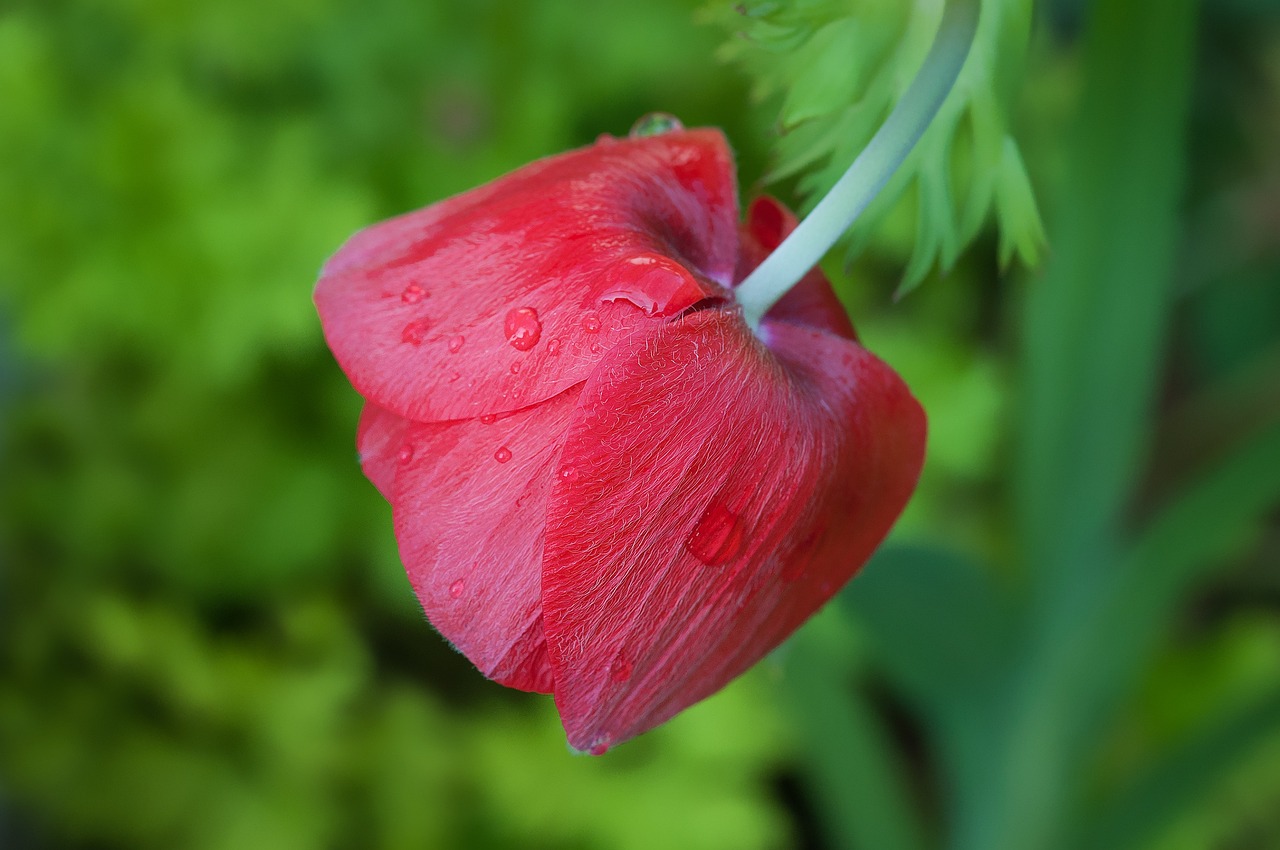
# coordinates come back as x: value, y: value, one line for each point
x: 553, y: 347
x: 569, y: 474
x: 456, y: 343
x: 488, y: 419
x: 620, y: 669
x: 413, y: 294
x: 717, y: 537
x: 415, y: 331
x: 655, y: 124
x: 523, y: 329
x: 591, y: 321
x: 405, y: 455
x: 455, y: 589
x: 502, y: 455
x: 454, y: 377
x: 605, y: 139
x: 601, y: 746
x: 595, y: 348
x: 515, y: 368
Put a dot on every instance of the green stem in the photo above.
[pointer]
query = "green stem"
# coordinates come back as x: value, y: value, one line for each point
x: 868, y: 174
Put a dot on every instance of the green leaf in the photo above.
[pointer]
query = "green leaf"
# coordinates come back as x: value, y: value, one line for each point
x: 1096, y: 324
x: 855, y: 774
x: 1183, y: 779
x: 912, y: 603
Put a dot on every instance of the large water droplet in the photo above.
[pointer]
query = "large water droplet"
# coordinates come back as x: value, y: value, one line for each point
x: 413, y: 294
x: 620, y: 669
x: 553, y: 347
x: 523, y: 329
x: 456, y: 343
x: 415, y: 332
x: 455, y: 589
x: 655, y: 124
x: 717, y: 537
x: 502, y: 455
x: 591, y: 321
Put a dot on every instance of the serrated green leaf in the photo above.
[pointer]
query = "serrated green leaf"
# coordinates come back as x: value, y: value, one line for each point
x: 820, y: 59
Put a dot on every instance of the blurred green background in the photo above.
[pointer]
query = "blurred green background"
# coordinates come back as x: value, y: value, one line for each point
x: 206, y: 639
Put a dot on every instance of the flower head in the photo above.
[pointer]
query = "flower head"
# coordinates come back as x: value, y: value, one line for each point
x: 604, y: 485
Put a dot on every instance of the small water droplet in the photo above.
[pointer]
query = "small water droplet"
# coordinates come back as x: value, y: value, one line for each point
x: 620, y: 669
x: 601, y: 746
x: 502, y: 455
x: 553, y: 347
x: 456, y: 343
x: 405, y: 455
x: 413, y: 294
x: 454, y: 377
x: 717, y: 537
x: 591, y: 321
x: 455, y: 589
x: 655, y: 124
x: 595, y: 348
x: 515, y: 368
x: 488, y: 419
x: 415, y: 331
x: 569, y: 474
x: 605, y: 139
x: 523, y: 329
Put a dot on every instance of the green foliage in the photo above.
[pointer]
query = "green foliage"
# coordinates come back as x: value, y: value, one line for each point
x: 837, y: 67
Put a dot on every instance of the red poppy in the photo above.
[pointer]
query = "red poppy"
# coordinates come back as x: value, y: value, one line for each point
x: 605, y: 485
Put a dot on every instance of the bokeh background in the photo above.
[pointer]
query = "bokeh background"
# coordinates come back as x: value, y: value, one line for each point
x: 206, y: 639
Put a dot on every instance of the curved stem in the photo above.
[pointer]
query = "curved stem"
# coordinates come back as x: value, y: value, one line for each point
x: 887, y: 149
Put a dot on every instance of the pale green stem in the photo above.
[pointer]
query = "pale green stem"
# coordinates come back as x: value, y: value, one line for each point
x: 887, y: 149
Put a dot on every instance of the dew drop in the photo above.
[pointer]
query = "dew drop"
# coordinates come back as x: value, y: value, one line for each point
x: 553, y: 347
x: 523, y: 329
x: 413, y: 294
x: 620, y: 669
x: 717, y: 537
x: 488, y: 419
x: 591, y: 322
x: 515, y: 368
x: 569, y: 474
x: 455, y: 589
x: 595, y: 348
x: 655, y: 124
x: 502, y: 455
x: 454, y: 377
x: 415, y: 331
x: 456, y: 343
x: 405, y: 455
x: 601, y: 746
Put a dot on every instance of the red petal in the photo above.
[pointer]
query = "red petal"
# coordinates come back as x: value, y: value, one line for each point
x: 470, y: 502
x: 509, y: 294
x: 378, y: 441
x: 712, y: 495
x: 811, y: 302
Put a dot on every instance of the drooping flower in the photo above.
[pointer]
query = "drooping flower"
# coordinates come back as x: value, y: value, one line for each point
x: 605, y: 486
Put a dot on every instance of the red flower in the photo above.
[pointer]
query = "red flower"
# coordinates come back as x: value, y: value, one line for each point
x: 604, y: 485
